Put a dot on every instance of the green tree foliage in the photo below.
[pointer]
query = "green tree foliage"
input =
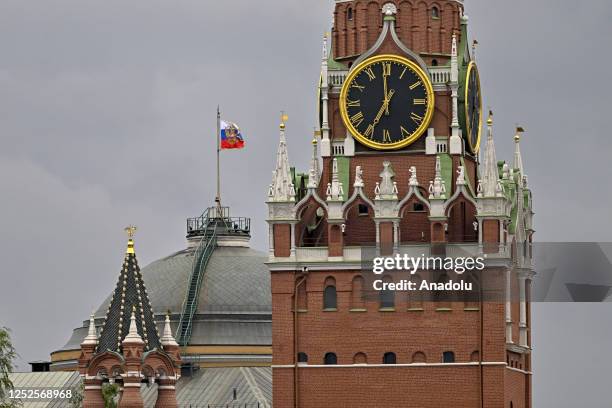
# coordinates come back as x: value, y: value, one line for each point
x: 7, y: 356
x: 109, y: 394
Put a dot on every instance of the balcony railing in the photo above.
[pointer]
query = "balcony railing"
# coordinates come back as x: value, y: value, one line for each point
x: 224, y: 223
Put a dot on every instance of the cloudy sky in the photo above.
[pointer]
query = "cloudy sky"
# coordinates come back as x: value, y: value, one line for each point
x: 107, y: 117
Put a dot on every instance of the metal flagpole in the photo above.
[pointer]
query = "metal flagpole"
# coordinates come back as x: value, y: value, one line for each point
x: 218, y: 198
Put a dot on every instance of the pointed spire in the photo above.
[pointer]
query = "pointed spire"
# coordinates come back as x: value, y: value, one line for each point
x: 167, y: 338
x: 314, y: 161
x: 325, y: 54
x: 92, y: 335
x: 518, y: 159
x: 335, y: 190
x: 133, y: 336
x: 437, y: 187
x: 491, y: 171
x: 282, y: 188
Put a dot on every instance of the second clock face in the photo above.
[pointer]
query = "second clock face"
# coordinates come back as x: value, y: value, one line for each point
x: 387, y: 102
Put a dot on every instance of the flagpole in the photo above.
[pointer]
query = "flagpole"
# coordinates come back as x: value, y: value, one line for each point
x: 218, y: 198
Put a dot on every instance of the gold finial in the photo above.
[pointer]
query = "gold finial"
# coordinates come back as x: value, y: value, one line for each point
x: 284, y: 118
x: 519, y: 132
x: 130, y: 231
x: 490, y: 120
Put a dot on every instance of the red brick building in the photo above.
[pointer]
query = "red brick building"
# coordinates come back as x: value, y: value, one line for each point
x: 395, y: 170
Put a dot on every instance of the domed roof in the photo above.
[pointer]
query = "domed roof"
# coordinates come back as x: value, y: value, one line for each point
x: 234, y: 304
x: 236, y: 280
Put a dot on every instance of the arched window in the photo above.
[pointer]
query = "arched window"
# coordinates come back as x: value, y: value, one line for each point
x: 302, y: 357
x: 389, y: 358
x: 448, y: 357
x: 330, y: 359
x: 349, y: 14
x: 419, y: 357
x: 360, y: 358
x: 330, y: 297
x: 435, y: 12
x: 302, y: 297
x: 387, y: 297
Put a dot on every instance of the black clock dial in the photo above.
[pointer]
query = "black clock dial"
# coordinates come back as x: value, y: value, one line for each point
x: 473, y: 106
x: 387, y: 102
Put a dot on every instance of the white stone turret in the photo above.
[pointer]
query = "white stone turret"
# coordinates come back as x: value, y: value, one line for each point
x: 437, y: 187
x: 92, y: 335
x: 282, y: 188
x: 456, y: 145
x: 133, y: 336
x: 325, y: 141
x: 314, y: 161
x: 490, y: 172
x: 167, y: 338
x: 335, y: 190
x: 518, y: 159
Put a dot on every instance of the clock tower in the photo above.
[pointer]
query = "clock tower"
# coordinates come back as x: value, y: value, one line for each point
x: 397, y: 170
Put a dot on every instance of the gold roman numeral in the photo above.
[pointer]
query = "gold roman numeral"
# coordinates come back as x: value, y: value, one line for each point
x: 420, y: 101
x: 386, y: 68
x: 416, y: 118
x: 369, y: 131
x: 386, y: 136
x: 415, y: 85
x: 357, y: 119
x: 405, y: 133
x: 353, y: 104
x: 370, y: 73
x: 356, y: 85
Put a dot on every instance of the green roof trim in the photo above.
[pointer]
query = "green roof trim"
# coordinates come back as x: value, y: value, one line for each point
x: 344, y: 167
x: 446, y: 167
x: 467, y: 178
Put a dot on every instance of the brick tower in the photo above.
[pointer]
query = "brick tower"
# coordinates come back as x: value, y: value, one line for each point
x: 129, y: 351
x: 396, y: 170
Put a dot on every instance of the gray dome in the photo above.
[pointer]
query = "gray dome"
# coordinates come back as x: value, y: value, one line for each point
x: 234, y: 305
x: 236, y: 281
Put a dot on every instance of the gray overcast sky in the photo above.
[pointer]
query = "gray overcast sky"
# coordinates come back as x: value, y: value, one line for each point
x: 107, y: 117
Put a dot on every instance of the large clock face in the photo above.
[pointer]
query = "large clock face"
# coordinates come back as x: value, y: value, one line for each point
x: 387, y: 102
x: 473, y: 107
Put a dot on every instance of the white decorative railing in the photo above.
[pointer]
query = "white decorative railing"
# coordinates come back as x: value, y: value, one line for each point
x: 440, y: 75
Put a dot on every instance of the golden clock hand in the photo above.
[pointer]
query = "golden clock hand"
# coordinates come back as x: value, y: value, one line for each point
x: 384, y: 107
x: 386, y: 94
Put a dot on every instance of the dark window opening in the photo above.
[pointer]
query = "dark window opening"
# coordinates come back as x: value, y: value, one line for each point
x: 434, y: 63
x: 302, y: 357
x: 349, y: 14
x: 448, y: 357
x: 418, y: 207
x: 387, y: 299
x: 435, y: 12
x: 363, y: 210
x: 330, y: 298
x: 389, y: 358
x: 330, y: 359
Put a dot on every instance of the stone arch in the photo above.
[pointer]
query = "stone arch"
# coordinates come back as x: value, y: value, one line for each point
x: 360, y: 226
x: 414, y: 220
x: 461, y: 215
x: 311, y: 229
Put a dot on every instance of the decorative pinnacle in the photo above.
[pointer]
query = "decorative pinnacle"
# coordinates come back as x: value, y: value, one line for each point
x: 167, y: 338
x: 92, y: 337
x: 490, y: 120
x: 130, y: 231
x: 284, y: 118
x: 519, y: 133
x: 133, y: 335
